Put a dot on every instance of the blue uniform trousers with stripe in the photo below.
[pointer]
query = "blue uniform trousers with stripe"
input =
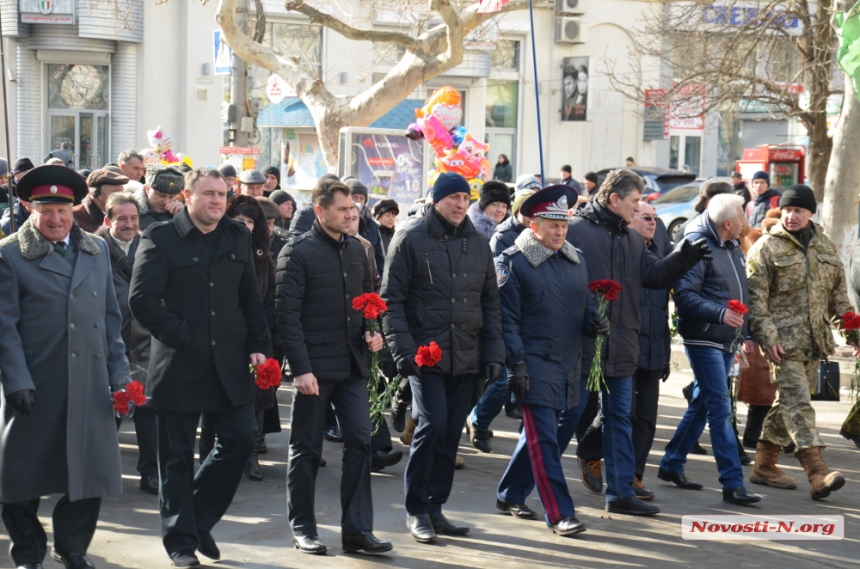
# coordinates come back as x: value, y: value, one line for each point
x: 538, y: 458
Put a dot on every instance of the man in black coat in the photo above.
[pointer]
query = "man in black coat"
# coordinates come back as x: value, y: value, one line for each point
x: 764, y: 198
x: 319, y: 275
x: 600, y: 230
x: 369, y: 230
x: 440, y: 286
x: 193, y: 287
x: 739, y: 188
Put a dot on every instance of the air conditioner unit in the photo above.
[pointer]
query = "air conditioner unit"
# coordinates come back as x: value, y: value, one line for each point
x: 570, y: 30
x: 570, y: 7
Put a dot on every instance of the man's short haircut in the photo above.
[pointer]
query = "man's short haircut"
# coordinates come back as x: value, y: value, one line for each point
x: 65, y: 146
x: 708, y: 190
x: 323, y: 193
x: 723, y: 207
x: 127, y: 155
x: 193, y: 177
x: 117, y: 199
x: 622, y: 182
x: 55, y: 162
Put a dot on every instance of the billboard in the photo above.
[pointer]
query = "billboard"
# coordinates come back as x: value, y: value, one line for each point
x: 574, y: 104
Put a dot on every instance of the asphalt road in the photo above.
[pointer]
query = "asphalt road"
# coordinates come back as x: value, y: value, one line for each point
x: 255, y: 533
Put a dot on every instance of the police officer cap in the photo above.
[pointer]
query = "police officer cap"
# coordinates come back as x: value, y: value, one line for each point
x: 252, y: 177
x: 52, y: 184
x: 552, y: 202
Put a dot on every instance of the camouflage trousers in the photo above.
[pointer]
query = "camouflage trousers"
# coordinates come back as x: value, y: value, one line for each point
x: 852, y: 422
x: 792, y: 418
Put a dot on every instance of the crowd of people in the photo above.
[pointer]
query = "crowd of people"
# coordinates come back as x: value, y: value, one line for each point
x: 184, y: 278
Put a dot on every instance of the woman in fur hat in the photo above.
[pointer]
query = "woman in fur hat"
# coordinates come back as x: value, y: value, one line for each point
x: 492, y: 207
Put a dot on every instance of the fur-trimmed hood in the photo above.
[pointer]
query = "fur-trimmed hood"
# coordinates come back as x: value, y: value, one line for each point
x: 482, y: 222
x: 535, y: 253
x: 140, y: 196
x: 34, y: 245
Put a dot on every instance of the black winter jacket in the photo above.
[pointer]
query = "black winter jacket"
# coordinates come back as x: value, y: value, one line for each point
x: 506, y: 234
x: 757, y: 207
x: 21, y: 215
x: 385, y: 235
x: 546, y: 309
x: 317, y: 280
x: 655, y: 349
x: 303, y: 221
x: 703, y: 294
x: 370, y: 231
x: 614, y: 252
x: 441, y: 286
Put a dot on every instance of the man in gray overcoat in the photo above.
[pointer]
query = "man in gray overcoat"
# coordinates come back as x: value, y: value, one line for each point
x: 61, y: 356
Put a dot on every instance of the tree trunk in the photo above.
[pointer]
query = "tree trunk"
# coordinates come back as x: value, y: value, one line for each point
x: 820, y: 153
x: 842, y: 187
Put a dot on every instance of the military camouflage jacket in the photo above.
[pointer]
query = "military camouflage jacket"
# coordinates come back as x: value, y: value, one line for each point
x: 793, y: 293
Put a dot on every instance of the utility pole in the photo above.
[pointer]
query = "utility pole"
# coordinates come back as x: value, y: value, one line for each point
x: 242, y: 125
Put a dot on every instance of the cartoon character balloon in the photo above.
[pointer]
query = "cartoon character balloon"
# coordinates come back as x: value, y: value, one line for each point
x: 162, y: 149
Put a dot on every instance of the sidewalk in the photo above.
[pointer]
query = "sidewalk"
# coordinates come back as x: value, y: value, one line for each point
x: 255, y: 533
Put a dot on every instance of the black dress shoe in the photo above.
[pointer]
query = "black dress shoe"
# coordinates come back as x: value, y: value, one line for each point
x: 632, y: 506
x: 333, y: 434
x: 745, y: 459
x: 591, y: 475
x: 149, y: 484
x: 480, y: 438
x: 398, y: 416
x: 568, y: 527
x: 679, y: 479
x: 740, y: 496
x: 516, y: 510
x: 72, y: 560
x: 322, y: 462
x: 364, y: 541
x: 421, y: 528
x: 698, y: 449
x: 309, y: 544
x: 253, y: 470
x: 206, y: 546
x: 185, y: 559
x: 442, y: 525
x: 30, y: 566
x: 381, y: 459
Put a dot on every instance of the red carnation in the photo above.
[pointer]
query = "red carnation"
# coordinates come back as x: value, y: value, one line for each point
x: 371, y: 303
x: 133, y: 393
x: 428, y: 356
x: 850, y: 321
x: 738, y: 306
x: 268, y: 374
x: 606, y: 288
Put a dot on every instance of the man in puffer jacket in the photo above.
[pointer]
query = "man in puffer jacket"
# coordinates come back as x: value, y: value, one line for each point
x: 440, y: 286
x: 764, y: 198
x: 712, y: 332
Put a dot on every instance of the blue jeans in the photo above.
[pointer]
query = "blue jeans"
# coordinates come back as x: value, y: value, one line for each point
x: 711, y: 402
x: 491, y: 403
x: 616, y: 404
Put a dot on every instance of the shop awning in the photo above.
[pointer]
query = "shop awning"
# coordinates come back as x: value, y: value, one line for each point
x: 292, y: 113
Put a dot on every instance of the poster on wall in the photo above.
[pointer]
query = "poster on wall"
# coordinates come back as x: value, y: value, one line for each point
x: 308, y: 162
x: 574, y: 104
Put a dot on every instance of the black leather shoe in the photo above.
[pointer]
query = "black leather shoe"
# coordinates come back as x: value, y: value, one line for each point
x: 642, y: 492
x: 632, y: 506
x: 206, y: 546
x: 740, y: 496
x: 568, y: 527
x: 398, y: 416
x: 516, y: 510
x: 364, y: 541
x: 30, y: 566
x: 698, y: 449
x: 309, y: 544
x: 591, y: 475
x: 745, y: 459
x: 185, y: 559
x: 253, y: 470
x: 687, y: 392
x: 480, y: 438
x: 421, y: 528
x: 381, y: 459
x: 333, y: 434
x: 679, y: 479
x: 322, y: 462
x: 442, y: 525
x: 149, y: 484
x: 72, y: 560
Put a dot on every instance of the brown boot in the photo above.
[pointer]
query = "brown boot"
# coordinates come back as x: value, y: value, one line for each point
x: 766, y: 471
x: 821, y: 481
x: 406, y: 436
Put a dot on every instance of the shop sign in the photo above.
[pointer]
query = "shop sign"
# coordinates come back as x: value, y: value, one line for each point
x: 239, y: 150
x: 277, y: 89
x: 689, y: 114
x: 47, y: 11
x: 656, y: 116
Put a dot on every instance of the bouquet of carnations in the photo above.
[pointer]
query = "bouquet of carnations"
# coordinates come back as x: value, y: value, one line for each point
x: 607, y: 291
x: 132, y: 394
x: 850, y: 330
x: 372, y: 306
x: 267, y: 374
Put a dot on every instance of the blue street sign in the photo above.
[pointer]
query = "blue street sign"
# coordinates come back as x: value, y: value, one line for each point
x: 223, y: 55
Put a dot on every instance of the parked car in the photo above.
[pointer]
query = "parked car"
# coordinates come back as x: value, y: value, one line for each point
x: 658, y: 181
x: 675, y: 207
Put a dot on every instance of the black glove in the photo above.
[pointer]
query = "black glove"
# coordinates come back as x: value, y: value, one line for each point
x: 492, y: 372
x: 21, y: 401
x: 602, y: 326
x: 666, y: 372
x: 518, y: 380
x: 698, y: 250
x: 407, y: 367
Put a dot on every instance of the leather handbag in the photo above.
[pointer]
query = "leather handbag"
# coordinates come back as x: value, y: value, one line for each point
x: 827, y: 383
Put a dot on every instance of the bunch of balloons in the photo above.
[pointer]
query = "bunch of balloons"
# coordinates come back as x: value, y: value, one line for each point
x: 162, y: 149
x: 438, y: 122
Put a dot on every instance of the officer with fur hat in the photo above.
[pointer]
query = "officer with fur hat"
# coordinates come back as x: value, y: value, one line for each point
x: 158, y: 198
x: 543, y: 285
x: 62, y: 355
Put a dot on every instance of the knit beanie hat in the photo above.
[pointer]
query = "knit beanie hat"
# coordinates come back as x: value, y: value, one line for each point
x: 519, y: 198
x: 527, y: 181
x: 280, y: 196
x: 761, y: 176
x: 492, y: 192
x: 799, y: 196
x: 274, y: 171
x: 591, y: 177
x: 448, y: 183
x: 356, y: 186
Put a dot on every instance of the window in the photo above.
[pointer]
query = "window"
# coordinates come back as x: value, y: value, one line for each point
x: 502, y: 104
